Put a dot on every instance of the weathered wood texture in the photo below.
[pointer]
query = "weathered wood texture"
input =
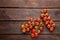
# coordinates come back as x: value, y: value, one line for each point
x: 14, y: 28
x: 30, y: 3
x: 10, y: 30
x: 13, y: 13
x: 27, y: 37
x: 25, y: 14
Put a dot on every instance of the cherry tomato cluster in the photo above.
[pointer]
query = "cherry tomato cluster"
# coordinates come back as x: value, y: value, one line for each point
x: 27, y: 26
x: 47, y: 20
x: 37, y: 26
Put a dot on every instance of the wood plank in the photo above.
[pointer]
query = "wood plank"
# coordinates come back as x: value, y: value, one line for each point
x: 14, y: 28
x: 27, y: 37
x: 30, y: 3
x: 25, y: 14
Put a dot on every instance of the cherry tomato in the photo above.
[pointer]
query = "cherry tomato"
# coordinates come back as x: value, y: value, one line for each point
x: 42, y: 16
x: 26, y: 24
x: 54, y: 25
x: 48, y: 26
x: 48, y: 18
x: 32, y: 35
x: 31, y: 19
x: 31, y: 26
x: 29, y: 22
x: 38, y: 19
x: 28, y: 29
x: 41, y: 23
x: 36, y: 34
x: 51, y: 29
x: 22, y: 26
x: 46, y: 14
x: 36, y: 27
x: 46, y: 22
x: 33, y: 30
x: 44, y: 19
x: 51, y: 21
x: 36, y: 23
x: 32, y: 23
x: 41, y: 28
x: 39, y: 31
x: 24, y: 30
x: 45, y: 11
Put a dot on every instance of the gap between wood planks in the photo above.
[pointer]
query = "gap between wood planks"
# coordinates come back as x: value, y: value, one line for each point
x: 28, y: 34
x: 22, y: 20
x: 32, y: 7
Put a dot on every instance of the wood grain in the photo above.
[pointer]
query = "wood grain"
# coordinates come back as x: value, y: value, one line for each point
x: 13, y: 13
x: 14, y: 28
x: 25, y: 14
x: 30, y: 3
x: 27, y: 37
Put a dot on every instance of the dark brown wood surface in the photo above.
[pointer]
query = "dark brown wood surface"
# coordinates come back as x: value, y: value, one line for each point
x: 14, y: 28
x: 25, y: 14
x: 13, y: 13
x: 27, y: 37
x: 30, y: 3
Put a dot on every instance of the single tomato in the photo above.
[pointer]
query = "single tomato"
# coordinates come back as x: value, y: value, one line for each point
x: 42, y: 16
x: 48, y: 25
x: 36, y: 34
x: 41, y: 28
x: 54, y: 25
x: 36, y: 23
x: 22, y: 26
x: 31, y: 19
x: 38, y: 19
x: 48, y: 18
x: 51, y: 29
x: 33, y: 30
x: 32, y: 35
x: 24, y: 30
x: 28, y: 29
x: 45, y: 11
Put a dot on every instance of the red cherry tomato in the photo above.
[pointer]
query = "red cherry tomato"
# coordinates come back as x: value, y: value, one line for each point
x: 41, y: 28
x: 26, y: 24
x: 45, y: 11
x: 42, y: 16
x: 48, y: 18
x: 24, y: 30
x: 41, y: 23
x: 51, y: 21
x: 29, y: 22
x: 39, y: 31
x: 36, y: 23
x: 51, y: 29
x: 46, y: 22
x: 31, y: 26
x: 38, y: 19
x: 28, y: 29
x: 48, y: 26
x: 31, y: 19
x: 44, y: 19
x: 36, y: 34
x: 22, y: 26
x: 36, y: 27
x: 33, y: 30
x: 32, y: 35
x: 46, y: 15
x: 54, y: 25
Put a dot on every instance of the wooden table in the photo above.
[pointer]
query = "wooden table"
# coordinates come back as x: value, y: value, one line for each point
x: 13, y: 13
